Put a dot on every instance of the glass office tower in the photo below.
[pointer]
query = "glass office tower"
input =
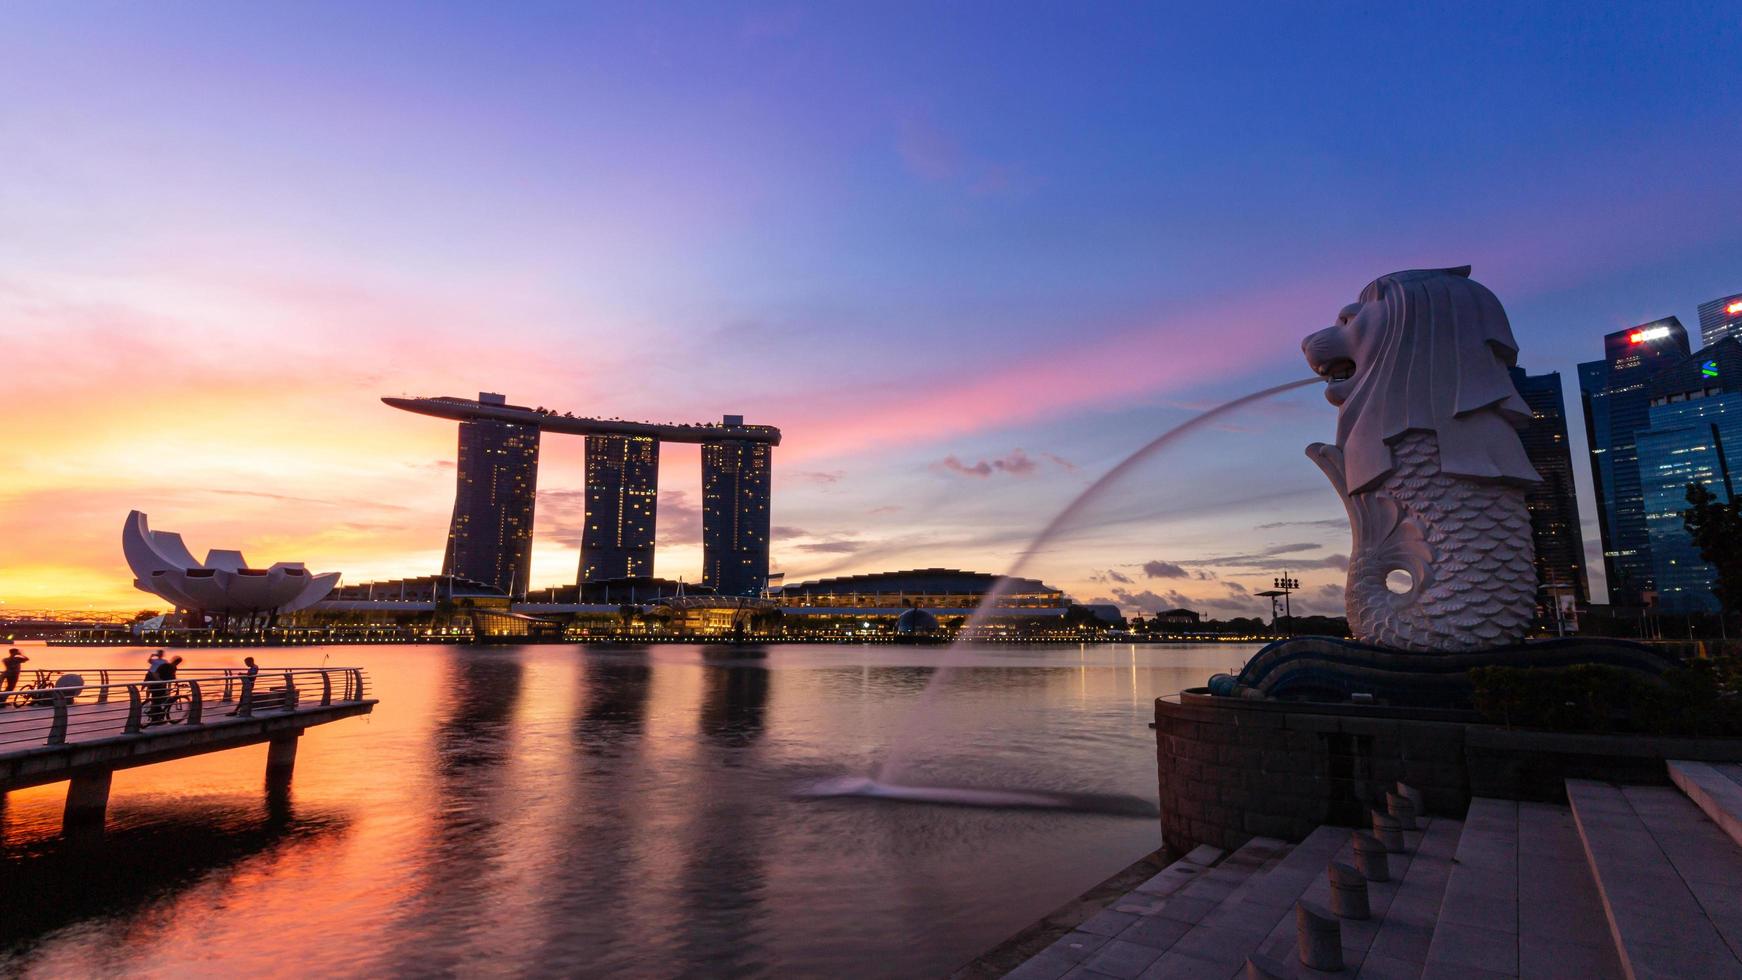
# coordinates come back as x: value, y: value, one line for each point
x: 1616, y: 408
x: 1721, y: 319
x: 1553, y: 503
x: 622, y: 501
x: 1695, y: 436
x: 737, y: 479
x: 490, y: 538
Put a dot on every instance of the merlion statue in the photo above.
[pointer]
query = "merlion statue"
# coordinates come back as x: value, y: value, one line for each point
x: 1429, y: 464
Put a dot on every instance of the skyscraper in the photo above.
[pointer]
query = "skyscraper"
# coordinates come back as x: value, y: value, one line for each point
x: 622, y: 496
x: 1553, y: 504
x: 1720, y: 319
x: 1616, y: 407
x: 736, y: 489
x: 490, y: 538
x: 1695, y: 436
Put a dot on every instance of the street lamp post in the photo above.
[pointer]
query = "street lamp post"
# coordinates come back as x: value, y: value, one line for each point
x: 1287, y: 586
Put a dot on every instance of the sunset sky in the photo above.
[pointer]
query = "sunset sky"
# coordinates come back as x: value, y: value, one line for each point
x: 967, y: 256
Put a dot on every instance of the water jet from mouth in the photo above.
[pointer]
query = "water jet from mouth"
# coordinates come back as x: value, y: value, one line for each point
x: 886, y: 782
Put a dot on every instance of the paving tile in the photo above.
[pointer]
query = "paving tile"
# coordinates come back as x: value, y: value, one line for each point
x: 1203, y: 855
x: 1107, y: 922
x: 1045, y: 965
x: 1661, y: 927
x: 1121, y: 959
x: 1139, y: 904
x: 1476, y: 897
x: 1553, y: 960
x: 1655, y: 961
x: 1080, y: 972
x: 1178, y: 966
x: 1388, y: 968
x: 1458, y: 971
x: 1558, y: 900
x: 1219, y: 946
x: 1213, y: 890
x: 1172, y: 878
x: 1155, y: 931
x: 1075, y: 946
x: 1185, y: 908
x: 1473, y: 946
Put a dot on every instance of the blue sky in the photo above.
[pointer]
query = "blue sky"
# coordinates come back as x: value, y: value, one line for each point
x: 906, y: 233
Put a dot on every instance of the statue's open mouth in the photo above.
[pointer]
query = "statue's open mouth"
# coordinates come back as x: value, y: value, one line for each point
x: 1336, y: 369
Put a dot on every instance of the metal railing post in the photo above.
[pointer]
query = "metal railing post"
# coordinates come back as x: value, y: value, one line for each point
x: 102, y: 687
x: 357, y: 674
x: 246, y: 708
x: 133, y: 706
x: 289, y: 692
x: 197, y: 708
x: 229, y: 681
x: 57, y: 732
x: 326, y: 689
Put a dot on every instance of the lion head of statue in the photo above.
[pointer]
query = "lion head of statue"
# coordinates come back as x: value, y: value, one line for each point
x: 1424, y: 350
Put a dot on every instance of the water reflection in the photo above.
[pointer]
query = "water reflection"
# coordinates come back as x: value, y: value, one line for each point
x: 562, y: 811
x: 155, y: 852
x: 724, y: 877
x: 616, y: 690
x: 462, y: 848
x: 734, y: 701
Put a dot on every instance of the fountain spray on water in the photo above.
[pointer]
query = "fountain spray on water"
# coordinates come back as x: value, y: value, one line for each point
x: 884, y: 782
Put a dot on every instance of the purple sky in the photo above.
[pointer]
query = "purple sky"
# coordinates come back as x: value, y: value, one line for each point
x: 967, y: 256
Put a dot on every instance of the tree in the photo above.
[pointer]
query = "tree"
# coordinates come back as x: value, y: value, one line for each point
x: 1716, y: 528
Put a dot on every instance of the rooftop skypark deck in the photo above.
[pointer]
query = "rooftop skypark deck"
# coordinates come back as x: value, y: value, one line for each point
x: 549, y: 420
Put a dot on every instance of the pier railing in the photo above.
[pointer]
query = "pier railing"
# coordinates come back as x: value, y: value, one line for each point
x: 68, y: 707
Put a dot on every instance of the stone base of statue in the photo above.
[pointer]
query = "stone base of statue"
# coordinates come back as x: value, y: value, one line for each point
x: 1339, y: 671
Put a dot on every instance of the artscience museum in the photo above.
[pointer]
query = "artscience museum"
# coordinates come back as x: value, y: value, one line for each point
x: 223, y: 583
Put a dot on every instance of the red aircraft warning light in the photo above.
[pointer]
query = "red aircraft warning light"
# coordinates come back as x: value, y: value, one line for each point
x: 1734, y: 308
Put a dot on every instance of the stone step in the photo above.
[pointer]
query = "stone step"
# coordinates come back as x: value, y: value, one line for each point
x: 1170, y: 879
x: 1520, y: 900
x: 1669, y: 878
x: 1138, y: 913
x: 1716, y: 788
x: 1220, y: 942
x: 1407, y: 906
x: 1431, y: 843
x: 1135, y: 949
x: 1477, y: 929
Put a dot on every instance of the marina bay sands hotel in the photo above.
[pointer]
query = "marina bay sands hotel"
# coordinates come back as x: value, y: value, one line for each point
x: 490, y: 539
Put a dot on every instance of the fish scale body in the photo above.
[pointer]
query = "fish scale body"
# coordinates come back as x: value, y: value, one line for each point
x: 1477, y: 587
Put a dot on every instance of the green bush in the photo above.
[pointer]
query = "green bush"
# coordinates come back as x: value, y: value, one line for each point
x: 1701, y: 698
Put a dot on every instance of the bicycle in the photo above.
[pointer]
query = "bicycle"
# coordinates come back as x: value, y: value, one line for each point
x: 172, y: 709
x: 34, y: 693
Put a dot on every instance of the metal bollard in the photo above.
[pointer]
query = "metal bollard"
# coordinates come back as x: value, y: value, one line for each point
x: 1348, y: 892
x: 1370, y: 858
x: 57, y: 731
x: 1319, y: 937
x: 1413, y: 795
x: 1402, y: 809
x: 1389, y: 831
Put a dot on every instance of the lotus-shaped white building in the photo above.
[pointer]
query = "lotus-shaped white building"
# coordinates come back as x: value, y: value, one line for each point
x: 223, y: 583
